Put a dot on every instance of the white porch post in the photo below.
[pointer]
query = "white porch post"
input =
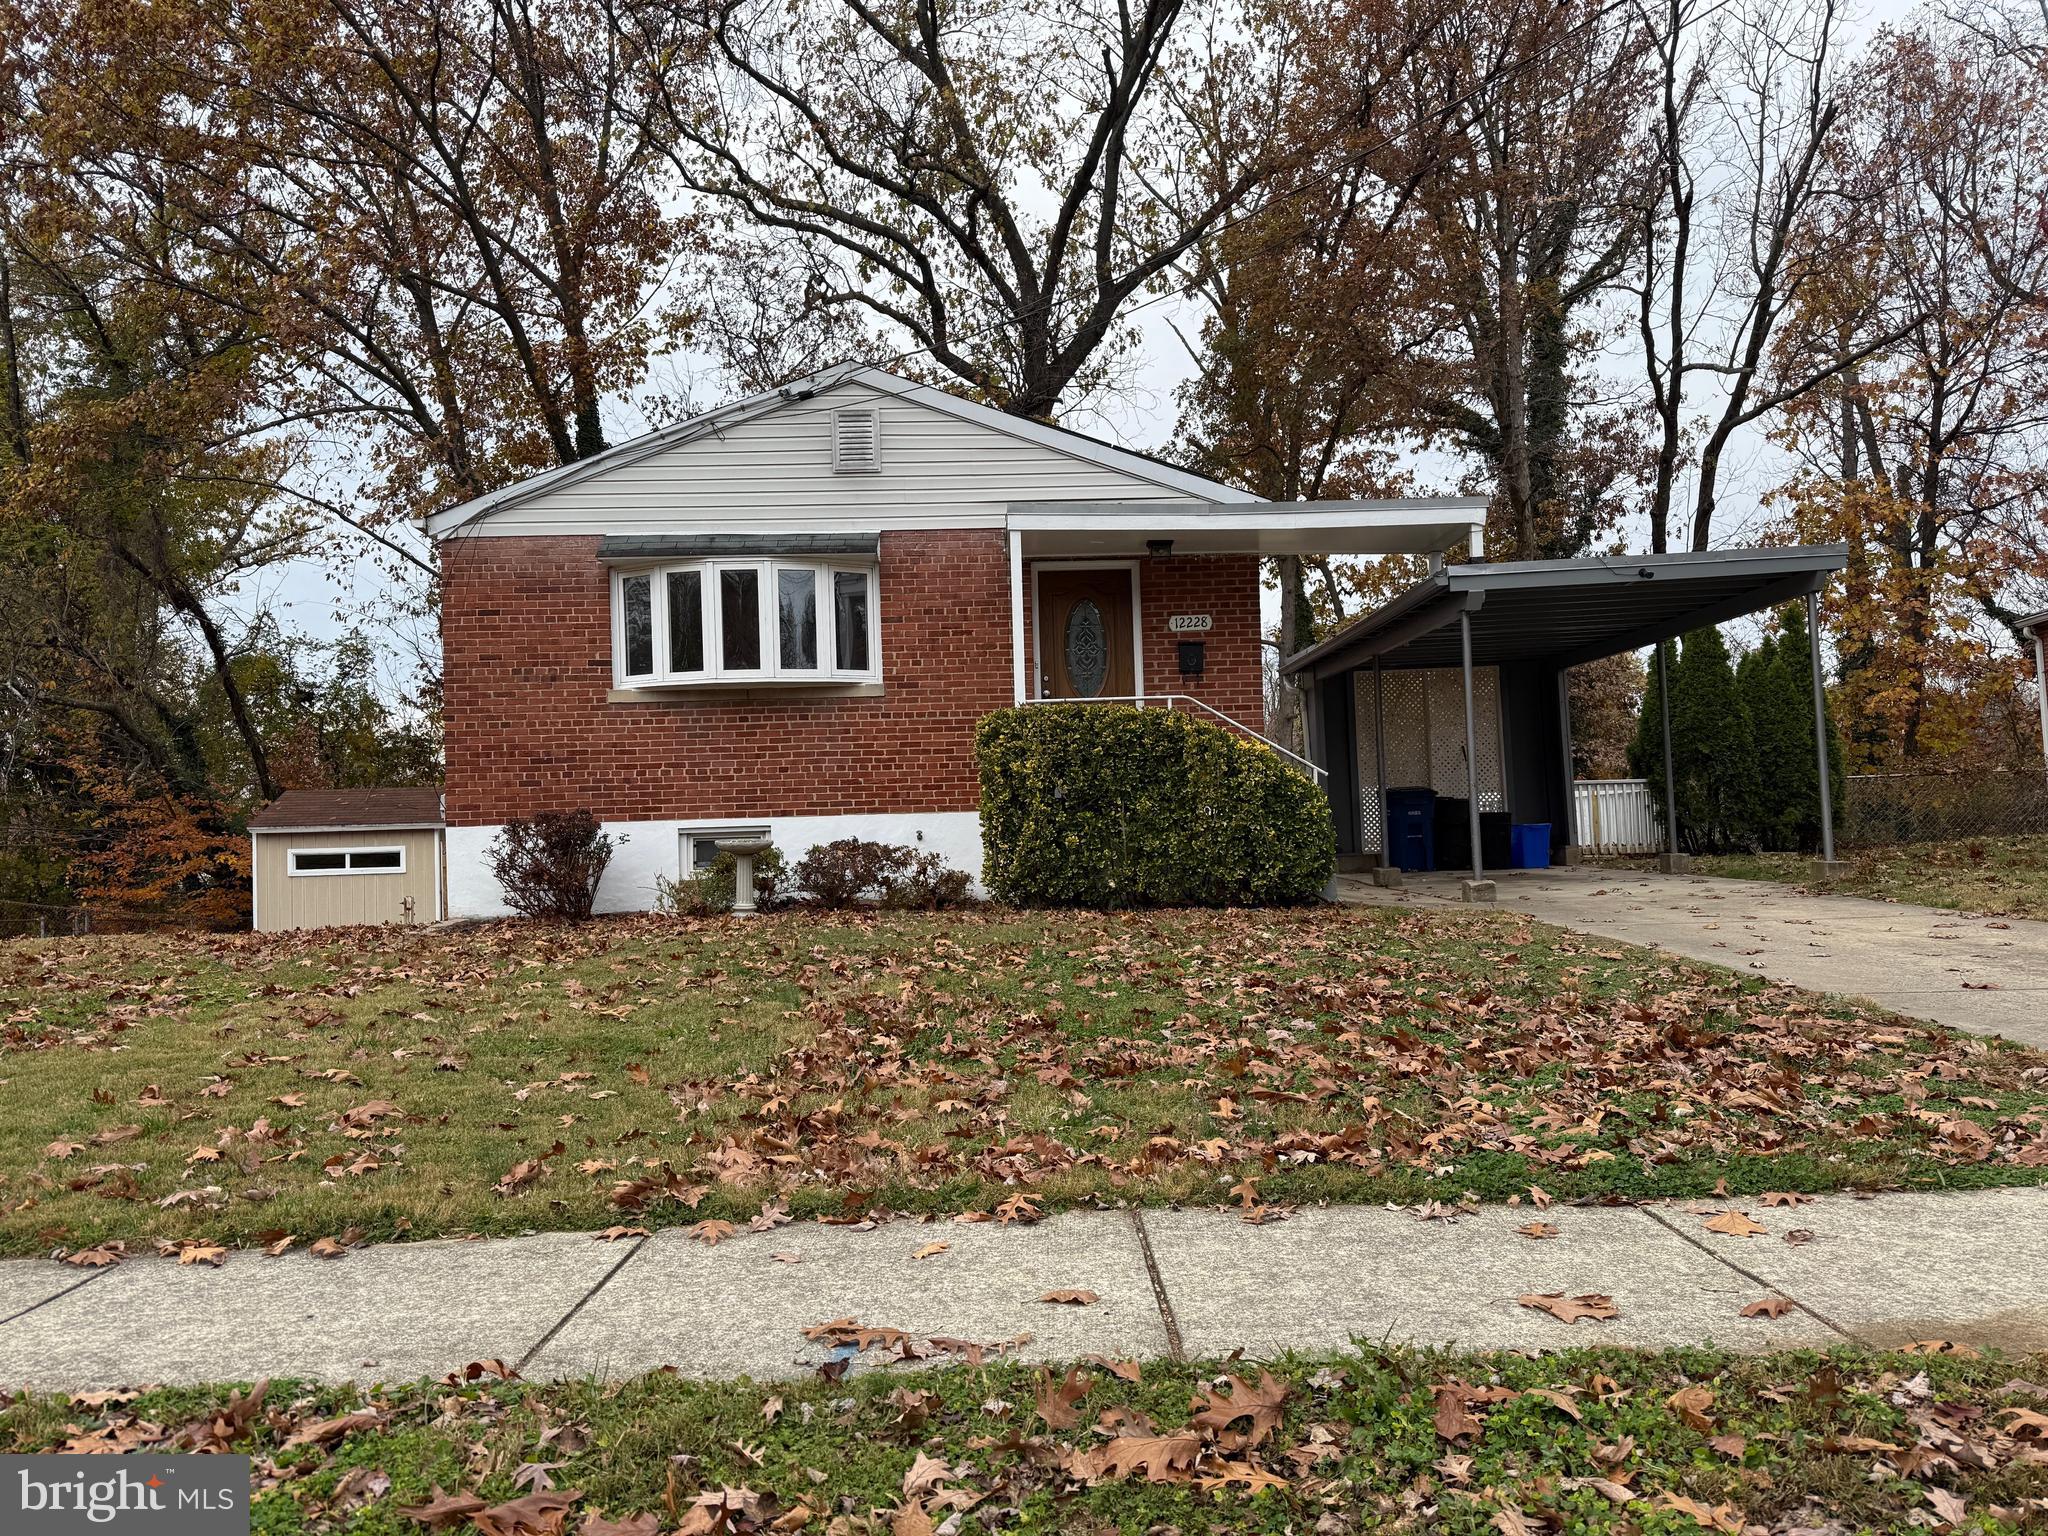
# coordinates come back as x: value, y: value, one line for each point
x: 2041, y: 687
x: 1017, y: 616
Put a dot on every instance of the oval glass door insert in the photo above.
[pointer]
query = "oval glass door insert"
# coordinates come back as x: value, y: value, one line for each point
x: 1087, y: 649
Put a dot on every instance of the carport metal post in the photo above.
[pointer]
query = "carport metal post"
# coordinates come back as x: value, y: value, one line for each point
x: 1571, y: 788
x: 1670, y: 774
x: 1379, y: 755
x: 1820, y: 730
x: 1471, y: 742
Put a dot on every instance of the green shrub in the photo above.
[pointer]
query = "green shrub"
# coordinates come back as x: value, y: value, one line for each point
x: 1109, y: 805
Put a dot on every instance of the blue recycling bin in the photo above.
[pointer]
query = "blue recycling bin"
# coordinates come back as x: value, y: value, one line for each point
x: 1529, y: 845
x: 1411, y: 828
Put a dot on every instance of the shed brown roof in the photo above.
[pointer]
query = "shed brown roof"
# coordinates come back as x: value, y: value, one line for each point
x: 311, y: 810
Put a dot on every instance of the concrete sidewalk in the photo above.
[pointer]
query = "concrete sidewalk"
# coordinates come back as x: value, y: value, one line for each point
x: 1985, y: 975
x: 1886, y: 1271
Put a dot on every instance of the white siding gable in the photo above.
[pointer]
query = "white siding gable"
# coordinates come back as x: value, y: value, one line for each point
x: 774, y: 470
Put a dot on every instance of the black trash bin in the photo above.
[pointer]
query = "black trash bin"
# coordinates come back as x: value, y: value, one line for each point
x: 1453, y: 832
x: 1497, y: 839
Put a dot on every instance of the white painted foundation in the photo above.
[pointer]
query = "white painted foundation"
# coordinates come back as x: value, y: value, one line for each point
x: 641, y: 850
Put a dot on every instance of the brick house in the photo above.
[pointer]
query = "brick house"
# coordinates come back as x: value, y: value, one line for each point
x: 786, y: 616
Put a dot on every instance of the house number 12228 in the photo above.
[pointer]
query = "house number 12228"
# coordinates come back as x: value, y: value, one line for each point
x: 1189, y: 624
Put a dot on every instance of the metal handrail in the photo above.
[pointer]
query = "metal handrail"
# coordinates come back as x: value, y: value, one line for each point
x: 1316, y: 774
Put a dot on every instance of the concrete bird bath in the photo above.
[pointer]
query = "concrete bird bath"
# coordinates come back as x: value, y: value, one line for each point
x: 743, y: 851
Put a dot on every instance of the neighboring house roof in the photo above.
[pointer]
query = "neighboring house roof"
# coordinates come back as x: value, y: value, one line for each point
x: 2033, y: 623
x: 1078, y: 445
x: 349, y: 810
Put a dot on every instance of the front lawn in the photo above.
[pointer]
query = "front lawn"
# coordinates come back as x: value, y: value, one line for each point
x: 1999, y: 876
x: 510, y: 1077
x: 1590, y: 1440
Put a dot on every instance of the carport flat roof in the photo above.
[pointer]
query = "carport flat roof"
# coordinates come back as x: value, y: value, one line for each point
x: 1566, y: 612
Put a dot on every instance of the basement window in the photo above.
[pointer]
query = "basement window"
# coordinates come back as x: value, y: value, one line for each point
x: 700, y: 845
x: 745, y: 622
x: 348, y: 861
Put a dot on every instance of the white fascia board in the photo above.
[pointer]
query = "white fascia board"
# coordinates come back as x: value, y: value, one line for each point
x: 861, y: 520
x: 1421, y: 525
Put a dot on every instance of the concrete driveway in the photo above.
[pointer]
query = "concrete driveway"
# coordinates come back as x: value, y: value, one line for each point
x: 1986, y: 975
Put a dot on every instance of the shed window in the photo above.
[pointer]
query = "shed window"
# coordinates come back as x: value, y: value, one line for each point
x: 745, y: 621
x: 348, y: 861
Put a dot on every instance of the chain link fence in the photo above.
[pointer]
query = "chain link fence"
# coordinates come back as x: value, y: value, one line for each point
x: 47, y: 920
x: 1886, y: 808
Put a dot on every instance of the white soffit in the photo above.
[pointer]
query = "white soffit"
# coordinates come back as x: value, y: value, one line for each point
x: 1417, y: 526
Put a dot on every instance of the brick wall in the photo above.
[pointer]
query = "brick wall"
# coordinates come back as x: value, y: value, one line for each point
x: 526, y: 635
x: 1226, y: 587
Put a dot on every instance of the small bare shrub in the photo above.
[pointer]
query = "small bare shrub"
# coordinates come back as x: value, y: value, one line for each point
x: 845, y: 873
x: 549, y: 865
x: 926, y: 884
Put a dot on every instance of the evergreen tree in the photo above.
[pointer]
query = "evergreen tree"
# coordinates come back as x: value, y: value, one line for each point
x: 1770, y: 693
x: 1714, y: 751
x: 1719, y: 790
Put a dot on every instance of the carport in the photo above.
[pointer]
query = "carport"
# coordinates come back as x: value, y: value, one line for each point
x: 1494, y: 642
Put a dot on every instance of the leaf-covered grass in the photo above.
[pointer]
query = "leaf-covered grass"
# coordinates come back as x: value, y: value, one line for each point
x: 1590, y: 1440
x: 2000, y: 876
x: 514, y: 1076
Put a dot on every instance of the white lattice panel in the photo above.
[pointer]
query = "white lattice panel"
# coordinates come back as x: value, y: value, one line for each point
x: 1424, y: 711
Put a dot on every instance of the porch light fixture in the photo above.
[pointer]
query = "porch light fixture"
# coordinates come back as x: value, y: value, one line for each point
x: 1159, y: 549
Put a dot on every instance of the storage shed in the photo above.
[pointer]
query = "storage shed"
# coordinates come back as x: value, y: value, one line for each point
x: 325, y: 858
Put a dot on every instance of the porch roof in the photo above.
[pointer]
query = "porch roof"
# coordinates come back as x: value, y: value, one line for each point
x: 1423, y: 525
x: 1567, y: 612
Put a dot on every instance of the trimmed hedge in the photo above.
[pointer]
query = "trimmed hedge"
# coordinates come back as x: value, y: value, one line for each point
x: 1109, y: 805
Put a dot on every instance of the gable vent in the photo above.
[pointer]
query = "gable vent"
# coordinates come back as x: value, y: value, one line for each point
x: 857, y: 441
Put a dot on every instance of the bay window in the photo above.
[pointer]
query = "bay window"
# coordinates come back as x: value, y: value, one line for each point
x: 745, y: 621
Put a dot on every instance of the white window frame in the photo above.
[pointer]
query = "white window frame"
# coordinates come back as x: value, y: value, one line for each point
x: 686, y: 855
x: 348, y: 861
x: 715, y: 673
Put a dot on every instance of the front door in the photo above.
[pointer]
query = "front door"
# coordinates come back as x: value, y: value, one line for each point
x: 1086, y: 634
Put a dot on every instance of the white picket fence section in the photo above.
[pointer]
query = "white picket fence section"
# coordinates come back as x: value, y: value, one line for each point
x: 1615, y: 816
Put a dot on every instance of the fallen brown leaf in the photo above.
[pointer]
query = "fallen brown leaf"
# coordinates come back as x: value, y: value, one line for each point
x: 1734, y: 1224
x: 1569, y: 1309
